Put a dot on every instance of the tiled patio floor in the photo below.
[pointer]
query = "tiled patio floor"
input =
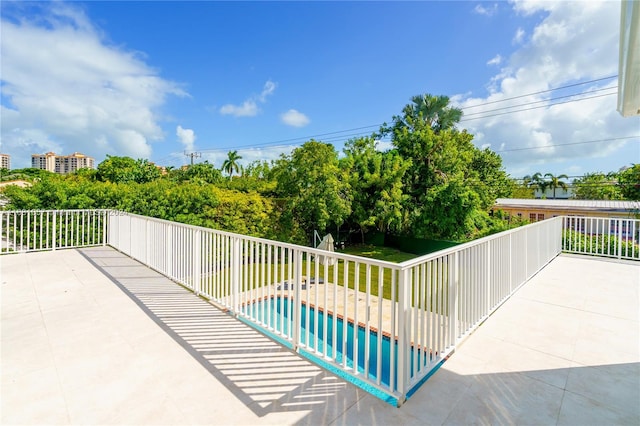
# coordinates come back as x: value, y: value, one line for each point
x: 92, y: 337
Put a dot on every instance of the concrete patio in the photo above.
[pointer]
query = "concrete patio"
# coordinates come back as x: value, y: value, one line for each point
x: 91, y: 336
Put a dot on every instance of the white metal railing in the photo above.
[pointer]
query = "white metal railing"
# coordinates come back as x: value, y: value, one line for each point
x: 602, y: 236
x: 37, y: 230
x: 344, y: 311
x: 333, y: 310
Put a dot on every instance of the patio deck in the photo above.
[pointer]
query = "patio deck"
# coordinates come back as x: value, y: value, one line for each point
x: 91, y: 336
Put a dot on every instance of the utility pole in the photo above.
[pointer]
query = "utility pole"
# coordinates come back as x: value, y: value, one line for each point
x: 193, y: 155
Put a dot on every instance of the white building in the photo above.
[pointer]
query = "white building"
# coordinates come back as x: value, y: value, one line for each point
x: 5, y: 161
x: 61, y: 164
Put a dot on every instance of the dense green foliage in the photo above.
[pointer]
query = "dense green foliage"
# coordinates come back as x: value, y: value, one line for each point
x: 629, y: 182
x: 434, y: 183
x: 450, y: 184
x: 314, y: 186
x: 597, y: 186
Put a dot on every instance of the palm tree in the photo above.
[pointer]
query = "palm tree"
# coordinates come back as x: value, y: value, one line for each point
x: 231, y: 163
x: 433, y: 110
x: 535, y: 182
x: 555, y: 182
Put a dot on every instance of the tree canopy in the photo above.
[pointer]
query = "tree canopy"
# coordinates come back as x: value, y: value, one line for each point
x: 597, y: 186
x: 315, y: 186
x: 433, y: 183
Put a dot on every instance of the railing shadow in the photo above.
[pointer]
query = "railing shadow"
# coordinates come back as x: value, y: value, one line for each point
x: 261, y: 373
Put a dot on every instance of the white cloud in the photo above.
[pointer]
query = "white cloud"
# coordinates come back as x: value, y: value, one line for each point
x: 294, y: 118
x: 487, y: 11
x: 575, y: 41
x: 249, y: 108
x: 269, y: 88
x: 66, y: 89
x: 496, y: 60
x: 519, y: 36
x: 187, y: 137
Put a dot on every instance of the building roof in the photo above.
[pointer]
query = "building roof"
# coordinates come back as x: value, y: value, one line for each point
x: 586, y: 205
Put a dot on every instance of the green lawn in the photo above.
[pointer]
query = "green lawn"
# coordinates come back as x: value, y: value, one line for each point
x: 368, y: 251
x: 381, y: 253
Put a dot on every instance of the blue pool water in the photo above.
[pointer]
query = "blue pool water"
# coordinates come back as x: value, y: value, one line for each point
x: 280, y: 310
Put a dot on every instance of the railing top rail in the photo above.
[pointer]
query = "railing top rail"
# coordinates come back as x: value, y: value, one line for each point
x: 427, y: 257
x: 310, y: 250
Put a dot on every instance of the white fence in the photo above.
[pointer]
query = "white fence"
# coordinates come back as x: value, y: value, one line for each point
x: 387, y: 325
x: 37, y: 230
x: 600, y: 236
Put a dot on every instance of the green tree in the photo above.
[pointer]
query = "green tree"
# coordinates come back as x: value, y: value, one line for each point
x: 440, y: 202
x: 231, y: 165
x: 202, y: 173
x: 375, y: 179
x: 536, y: 182
x: 125, y: 170
x: 488, y: 177
x: 316, y: 190
x: 256, y: 176
x: 629, y: 182
x: 554, y: 182
x: 596, y: 186
x: 521, y: 188
x: 432, y: 111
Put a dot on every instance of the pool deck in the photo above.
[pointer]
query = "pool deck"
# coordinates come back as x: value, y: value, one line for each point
x: 91, y: 336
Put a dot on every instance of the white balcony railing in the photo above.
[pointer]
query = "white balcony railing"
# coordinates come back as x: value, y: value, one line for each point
x: 386, y: 325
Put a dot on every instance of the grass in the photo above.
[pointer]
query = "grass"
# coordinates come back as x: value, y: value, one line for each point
x: 381, y: 253
x: 368, y: 251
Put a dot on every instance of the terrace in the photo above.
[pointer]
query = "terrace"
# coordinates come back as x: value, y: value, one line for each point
x: 92, y: 335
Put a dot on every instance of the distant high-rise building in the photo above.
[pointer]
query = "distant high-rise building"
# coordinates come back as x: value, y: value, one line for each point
x: 5, y: 161
x: 61, y: 164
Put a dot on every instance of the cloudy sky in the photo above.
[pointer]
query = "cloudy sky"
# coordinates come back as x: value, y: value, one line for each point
x: 536, y: 80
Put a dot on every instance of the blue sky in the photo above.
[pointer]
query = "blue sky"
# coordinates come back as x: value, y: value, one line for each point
x: 153, y: 79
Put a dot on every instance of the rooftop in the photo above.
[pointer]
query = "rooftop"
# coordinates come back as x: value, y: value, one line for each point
x: 586, y: 205
x: 91, y: 336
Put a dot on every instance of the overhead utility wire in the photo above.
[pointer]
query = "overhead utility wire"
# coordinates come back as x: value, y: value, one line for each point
x: 569, y: 143
x: 305, y: 138
x: 543, y: 91
x: 536, y: 107
x: 543, y: 100
x: 302, y: 137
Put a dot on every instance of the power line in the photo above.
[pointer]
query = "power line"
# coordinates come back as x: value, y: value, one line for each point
x: 537, y: 107
x: 543, y: 100
x: 569, y: 143
x: 542, y: 91
x: 340, y: 135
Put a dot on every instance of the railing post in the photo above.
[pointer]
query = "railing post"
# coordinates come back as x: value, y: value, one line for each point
x: 169, y: 251
x: 54, y: 234
x: 619, y: 238
x: 488, y: 276
x: 235, y: 276
x: 404, y: 340
x: 511, y: 281
x: 297, y: 299
x: 104, y: 215
x: 147, y: 239
x: 453, y: 299
x: 197, y: 267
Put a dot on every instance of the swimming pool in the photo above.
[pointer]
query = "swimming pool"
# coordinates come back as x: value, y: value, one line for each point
x: 276, y: 313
